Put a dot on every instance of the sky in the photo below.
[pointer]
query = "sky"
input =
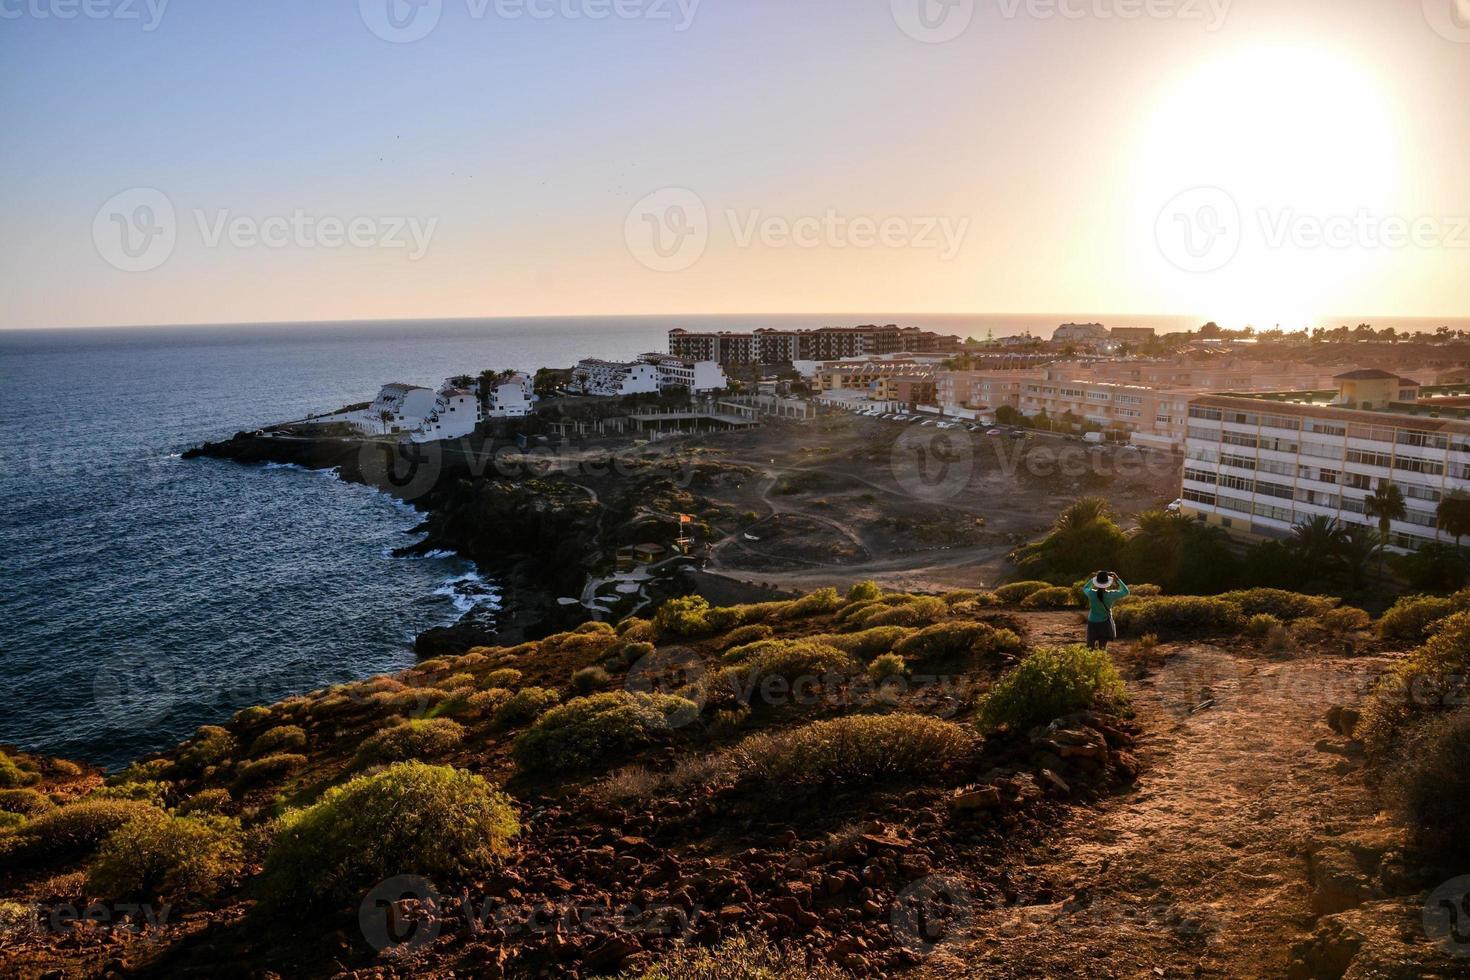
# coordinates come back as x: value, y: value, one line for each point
x: 1250, y: 161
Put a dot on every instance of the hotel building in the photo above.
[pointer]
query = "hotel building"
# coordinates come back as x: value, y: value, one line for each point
x: 1257, y: 465
x: 777, y: 347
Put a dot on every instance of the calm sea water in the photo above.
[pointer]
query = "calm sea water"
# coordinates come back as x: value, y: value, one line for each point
x: 143, y: 595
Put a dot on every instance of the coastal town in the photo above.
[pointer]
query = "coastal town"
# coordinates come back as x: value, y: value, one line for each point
x: 1273, y: 429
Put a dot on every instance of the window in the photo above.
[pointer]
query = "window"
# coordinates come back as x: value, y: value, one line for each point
x: 1204, y: 434
x: 1237, y: 482
x: 1411, y: 465
x: 1357, y: 481
x: 1366, y: 458
x: 1239, y: 462
x: 1199, y: 496
x: 1426, y: 440
x: 1274, y: 490
x: 1279, y: 445
x: 1277, y: 468
x: 1422, y: 493
x: 1205, y: 412
x: 1242, y: 418
x: 1372, y: 433
x: 1325, y: 427
x: 1199, y: 476
x: 1269, y: 512
x: 1237, y: 439
x: 1280, y: 422
x: 1235, y: 504
x: 1322, y: 450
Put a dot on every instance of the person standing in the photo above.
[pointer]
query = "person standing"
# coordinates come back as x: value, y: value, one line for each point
x: 1102, y: 592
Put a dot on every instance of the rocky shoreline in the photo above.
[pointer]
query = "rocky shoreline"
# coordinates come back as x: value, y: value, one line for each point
x: 540, y: 530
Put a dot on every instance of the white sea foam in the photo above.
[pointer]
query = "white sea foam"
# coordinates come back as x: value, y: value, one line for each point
x: 468, y: 591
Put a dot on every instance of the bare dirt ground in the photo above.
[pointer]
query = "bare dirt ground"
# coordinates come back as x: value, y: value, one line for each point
x: 1201, y: 871
x: 843, y: 499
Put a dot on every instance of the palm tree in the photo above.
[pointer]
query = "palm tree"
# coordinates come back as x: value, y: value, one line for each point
x: 1453, y: 515
x: 1319, y: 540
x: 1082, y: 513
x: 1387, y: 504
x: 1359, y: 544
x: 385, y: 417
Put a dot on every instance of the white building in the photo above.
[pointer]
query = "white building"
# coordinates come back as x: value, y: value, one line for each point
x: 510, y: 397
x: 1257, y: 465
x: 398, y: 408
x: 696, y: 377
x: 455, y: 414
x: 614, y: 378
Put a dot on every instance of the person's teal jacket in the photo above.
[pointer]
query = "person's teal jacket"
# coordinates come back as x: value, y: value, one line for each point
x: 1100, y: 604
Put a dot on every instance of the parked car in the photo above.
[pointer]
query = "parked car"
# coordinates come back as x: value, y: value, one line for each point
x: 1176, y: 506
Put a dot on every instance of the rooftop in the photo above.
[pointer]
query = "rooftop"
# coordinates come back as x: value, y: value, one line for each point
x: 1428, y: 405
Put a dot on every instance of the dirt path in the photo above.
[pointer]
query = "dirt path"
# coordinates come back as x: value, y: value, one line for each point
x: 1199, y: 871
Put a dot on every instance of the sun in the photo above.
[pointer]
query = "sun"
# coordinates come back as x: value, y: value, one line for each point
x: 1294, y: 134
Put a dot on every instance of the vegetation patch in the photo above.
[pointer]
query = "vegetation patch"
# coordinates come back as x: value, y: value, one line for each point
x: 1285, y: 606
x: 176, y: 858
x: 1171, y: 616
x: 283, y: 738
x: 1432, y: 680
x: 1431, y: 786
x: 410, y: 819
x: 1411, y: 618
x: 69, y: 833
x: 416, y: 739
x: 1053, y: 597
x: 947, y: 641
x: 855, y: 751
x: 1049, y: 683
x: 586, y: 732
x: 744, y: 958
x: 528, y: 704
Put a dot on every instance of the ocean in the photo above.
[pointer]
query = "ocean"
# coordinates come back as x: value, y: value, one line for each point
x: 145, y: 595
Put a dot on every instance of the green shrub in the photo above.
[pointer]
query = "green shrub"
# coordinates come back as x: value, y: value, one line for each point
x: 814, y: 604
x: 1178, y: 616
x: 1347, y: 619
x: 864, y: 592
x: 486, y: 703
x: 867, y: 644
x: 684, y: 617
x: 210, y: 746
x: 26, y: 802
x: 1430, y: 681
x: 1145, y: 591
x: 594, y: 628
x: 1055, y: 597
x: 743, y: 958
x: 635, y: 630
x: 910, y: 611
x: 1049, y: 683
x: 588, y: 731
x: 504, y: 677
x: 456, y: 681
x: 1017, y: 592
x: 1430, y: 788
x: 745, y: 634
x: 283, y: 738
x: 251, y: 716
x: 789, y: 660
x: 416, y: 739
x: 150, y: 791
x: 634, y: 652
x: 171, y: 857
x: 11, y: 821
x: 946, y: 641
x: 69, y: 833
x: 268, y: 769
x: 1285, y: 606
x: 410, y: 819
x: 589, y: 679
x: 206, y: 801
x: 886, y: 666
x: 1411, y: 618
x: 854, y: 751
x: 13, y: 776
x: 1261, y: 625
x: 526, y: 706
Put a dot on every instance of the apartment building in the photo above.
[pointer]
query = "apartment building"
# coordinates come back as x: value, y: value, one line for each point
x: 776, y: 347
x: 510, y: 397
x: 1154, y: 417
x: 1259, y: 464
x: 970, y: 394
x: 865, y: 374
x: 611, y: 379
x: 693, y: 376
x: 908, y: 390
